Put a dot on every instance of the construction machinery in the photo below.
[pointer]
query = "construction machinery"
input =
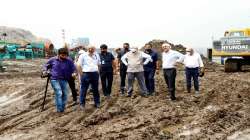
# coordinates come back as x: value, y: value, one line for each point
x: 234, y: 47
x: 27, y: 51
x: 2, y: 68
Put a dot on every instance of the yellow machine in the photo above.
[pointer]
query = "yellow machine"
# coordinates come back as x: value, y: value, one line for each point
x: 235, y: 47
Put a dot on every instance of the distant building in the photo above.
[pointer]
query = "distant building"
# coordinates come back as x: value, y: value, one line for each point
x: 81, y: 41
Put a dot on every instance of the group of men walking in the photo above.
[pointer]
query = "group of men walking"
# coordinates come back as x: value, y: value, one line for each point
x: 131, y: 63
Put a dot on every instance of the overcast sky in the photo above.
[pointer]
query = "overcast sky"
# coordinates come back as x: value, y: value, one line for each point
x: 189, y: 22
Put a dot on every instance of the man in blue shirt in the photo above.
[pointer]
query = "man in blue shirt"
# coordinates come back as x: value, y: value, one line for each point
x: 150, y: 69
x: 107, y: 68
x: 61, y: 70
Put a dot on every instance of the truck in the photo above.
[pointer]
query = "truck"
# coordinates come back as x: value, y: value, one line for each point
x: 234, y: 47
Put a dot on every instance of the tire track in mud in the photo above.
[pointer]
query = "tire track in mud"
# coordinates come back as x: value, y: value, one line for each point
x: 125, y: 112
x: 19, y: 75
x: 88, y: 113
x: 24, y: 114
x: 136, y: 117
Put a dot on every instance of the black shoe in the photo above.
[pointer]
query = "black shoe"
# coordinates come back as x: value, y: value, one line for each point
x: 82, y: 107
x: 122, y: 92
x: 151, y: 94
x: 97, y: 105
x: 173, y: 98
x: 129, y: 95
x: 144, y: 94
x: 74, y: 103
x: 108, y: 97
x: 91, y: 90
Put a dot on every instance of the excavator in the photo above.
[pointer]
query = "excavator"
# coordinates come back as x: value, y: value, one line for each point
x: 234, y: 47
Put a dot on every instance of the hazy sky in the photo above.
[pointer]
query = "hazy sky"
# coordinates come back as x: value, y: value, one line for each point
x: 188, y: 22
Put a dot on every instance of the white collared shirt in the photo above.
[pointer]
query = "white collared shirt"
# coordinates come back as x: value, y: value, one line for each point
x: 193, y: 61
x: 89, y: 63
x: 170, y: 58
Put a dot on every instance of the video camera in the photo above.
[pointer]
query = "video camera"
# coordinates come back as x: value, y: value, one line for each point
x: 46, y: 73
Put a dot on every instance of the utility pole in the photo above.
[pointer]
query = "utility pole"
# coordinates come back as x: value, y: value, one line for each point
x: 64, y: 39
x: 4, y: 37
x: 63, y: 36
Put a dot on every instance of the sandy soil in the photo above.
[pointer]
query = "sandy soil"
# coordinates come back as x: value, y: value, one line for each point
x: 221, y: 111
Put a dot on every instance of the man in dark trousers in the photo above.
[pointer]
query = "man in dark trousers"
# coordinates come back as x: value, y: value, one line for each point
x: 170, y: 58
x: 89, y: 63
x: 123, y: 67
x: 107, y: 68
x: 61, y: 70
x: 72, y: 86
x: 150, y: 69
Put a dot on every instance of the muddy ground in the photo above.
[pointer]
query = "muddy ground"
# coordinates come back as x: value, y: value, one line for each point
x: 221, y: 111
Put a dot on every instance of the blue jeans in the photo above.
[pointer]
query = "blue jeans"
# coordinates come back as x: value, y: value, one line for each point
x: 61, y: 91
x: 150, y: 80
x: 192, y: 73
x: 89, y: 78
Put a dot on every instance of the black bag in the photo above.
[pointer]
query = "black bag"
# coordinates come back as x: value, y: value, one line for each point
x: 201, y: 73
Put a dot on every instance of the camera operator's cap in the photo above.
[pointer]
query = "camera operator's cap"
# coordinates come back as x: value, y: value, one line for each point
x: 103, y: 46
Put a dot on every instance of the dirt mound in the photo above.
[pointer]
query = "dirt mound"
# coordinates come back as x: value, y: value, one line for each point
x: 157, y: 46
x: 221, y: 111
x: 17, y: 35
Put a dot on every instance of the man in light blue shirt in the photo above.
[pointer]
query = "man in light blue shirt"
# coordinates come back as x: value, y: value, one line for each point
x: 89, y: 63
x: 169, y: 60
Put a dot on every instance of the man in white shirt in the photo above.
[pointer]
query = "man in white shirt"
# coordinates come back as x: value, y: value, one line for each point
x: 134, y: 60
x: 192, y: 61
x: 89, y: 63
x: 78, y: 67
x: 169, y: 60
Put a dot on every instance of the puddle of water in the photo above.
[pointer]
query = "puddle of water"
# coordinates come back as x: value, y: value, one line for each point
x: 3, y: 99
x: 240, y: 135
x: 211, y: 108
x: 36, y: 133
x: 189, y: 132
x: 172, y: 128
x: 7, y: 101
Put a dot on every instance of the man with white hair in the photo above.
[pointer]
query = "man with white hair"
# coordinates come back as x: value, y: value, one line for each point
x: 169, y: 60
x: 192, y: 61
x: 89, y: 63
x: 134, y: 60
